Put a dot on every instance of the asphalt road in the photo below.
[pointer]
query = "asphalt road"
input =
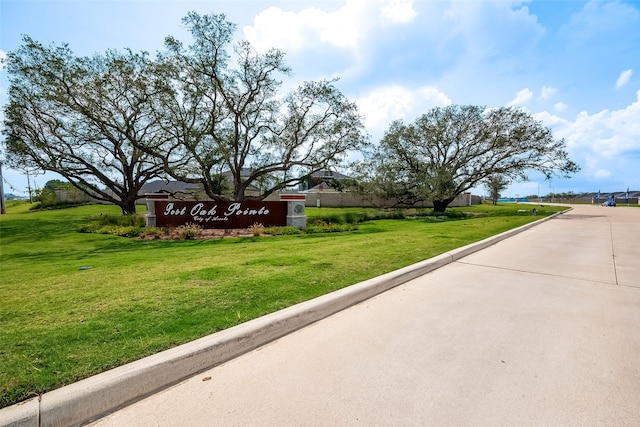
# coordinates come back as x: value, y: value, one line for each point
x: 540, y: 329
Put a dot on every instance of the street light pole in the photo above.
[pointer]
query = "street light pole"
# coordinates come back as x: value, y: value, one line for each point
x: 3, y: 208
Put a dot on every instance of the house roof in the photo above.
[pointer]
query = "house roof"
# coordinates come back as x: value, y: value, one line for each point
x: 329, y: 174
x: 323, y: 186
x: 160, y: 186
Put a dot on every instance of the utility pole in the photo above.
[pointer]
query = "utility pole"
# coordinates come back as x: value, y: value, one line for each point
x: 29, y: 187
x: 3, y: 208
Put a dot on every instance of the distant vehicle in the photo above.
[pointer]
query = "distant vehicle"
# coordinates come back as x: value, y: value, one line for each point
x: 609, y: 203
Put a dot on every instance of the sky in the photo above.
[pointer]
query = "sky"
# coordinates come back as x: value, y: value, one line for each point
x: 573, y: 65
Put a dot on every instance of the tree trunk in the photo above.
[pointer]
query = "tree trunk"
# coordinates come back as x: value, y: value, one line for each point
x: 441, y: 205
x: 128, y: 207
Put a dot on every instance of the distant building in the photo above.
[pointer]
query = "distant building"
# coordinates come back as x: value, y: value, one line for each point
x: 324, y: 180
x: 177, y: 189
x: 592, y: 197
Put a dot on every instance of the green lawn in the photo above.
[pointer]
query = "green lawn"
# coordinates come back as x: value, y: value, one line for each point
x: 61, y: 321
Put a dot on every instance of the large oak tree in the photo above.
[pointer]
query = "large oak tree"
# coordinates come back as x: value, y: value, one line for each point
x: 84, y: 118
x: 450, y: 150
x: 231, y: 127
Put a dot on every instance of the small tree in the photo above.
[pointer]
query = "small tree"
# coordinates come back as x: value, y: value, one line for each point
x: 47, y: 195
x: 495, y: 184
x: 450, y: 150
x: 52, y: 184
x: 82, y: 117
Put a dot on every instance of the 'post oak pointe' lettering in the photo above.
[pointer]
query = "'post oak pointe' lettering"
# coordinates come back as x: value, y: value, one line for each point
x: 220, y: 214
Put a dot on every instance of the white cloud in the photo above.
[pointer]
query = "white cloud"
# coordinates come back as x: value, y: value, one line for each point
x: 522, y: 97
x: 624, y: 78
x: 343, y: 28
x: 550, y: 120
x: 492, y: 28
x: 597, y: 140
x: 285, y: 30
x: 602, y: 174
x: 385, y: 104
x: 398, y: 11
x: 560, y: 106
x: 547, y: 92
x: 608, y: 133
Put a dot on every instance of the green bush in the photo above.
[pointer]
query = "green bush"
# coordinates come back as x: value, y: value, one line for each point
x: 352, y: 217
x: 91, y: 227
x: 119, y: 225
x: 133, y: 220
x: 331, y: 228
x: 47, y: 198
x: 126, y: 231
x: 282, y: 231
x: 44, y: 206
x: 345, y: 218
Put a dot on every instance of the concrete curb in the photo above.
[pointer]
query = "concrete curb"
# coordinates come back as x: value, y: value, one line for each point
x: 97, y: 396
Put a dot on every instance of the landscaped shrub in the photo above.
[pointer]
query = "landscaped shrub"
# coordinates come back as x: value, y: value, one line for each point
x: 331, y: 228
x: 256, y: 229
x: 134, y: 225
x: 119, y: 225
x: 47, y: 198
x: 189, y: 231
x: 123, y: 220
x: 126, y: 231
x: 153, y: 233
x: 91, y: 227
x: 45, y: 206
x: 444, y: 216
x: 398, y: 215
x: 352, y: 217
x: 330, y: 219
x: 282, y: 231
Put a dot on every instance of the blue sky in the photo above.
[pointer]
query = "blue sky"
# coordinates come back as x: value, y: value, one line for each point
x: 574, y: 65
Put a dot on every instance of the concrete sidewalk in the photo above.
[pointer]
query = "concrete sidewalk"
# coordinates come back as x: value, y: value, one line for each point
x: 540, y: 329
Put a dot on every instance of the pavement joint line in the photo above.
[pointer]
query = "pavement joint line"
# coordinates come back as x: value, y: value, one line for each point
x: 600, y: 282
x: 90, y: 399
x: 613, y: 251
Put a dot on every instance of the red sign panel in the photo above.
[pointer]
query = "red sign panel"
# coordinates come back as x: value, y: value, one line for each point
x: 212, y: 214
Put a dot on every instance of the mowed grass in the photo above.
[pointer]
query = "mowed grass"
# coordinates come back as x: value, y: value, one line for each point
x: 61, y: 321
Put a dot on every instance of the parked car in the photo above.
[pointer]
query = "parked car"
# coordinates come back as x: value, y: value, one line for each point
x: 609, y: 203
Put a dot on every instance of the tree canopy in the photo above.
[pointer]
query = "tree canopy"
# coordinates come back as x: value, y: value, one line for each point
x: 449, y: 150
